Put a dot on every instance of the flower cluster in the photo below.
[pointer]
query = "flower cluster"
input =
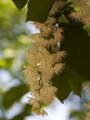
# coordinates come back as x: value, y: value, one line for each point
x: 82, y: 11
x: 87, y: 106
x: 86, y: 86
x: 82, y: 15
x: 44, y: 61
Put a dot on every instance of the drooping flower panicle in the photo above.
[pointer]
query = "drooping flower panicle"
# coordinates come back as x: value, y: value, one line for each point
x: 44, y: 61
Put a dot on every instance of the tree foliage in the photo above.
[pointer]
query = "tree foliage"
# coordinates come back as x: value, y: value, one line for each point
x: 73, y: 18
x: 76, y: 42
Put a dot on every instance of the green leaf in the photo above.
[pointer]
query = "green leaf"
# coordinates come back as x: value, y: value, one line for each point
x: 74, y: 81
x: 62, y: 84
x: 24, y: 113
x: 66, y: 82
x: 6, y: 63
x: 13, y: 95
x: 77, y: 45
x: 38, y: 10
x: 79, y: 115
x: 20, y: 3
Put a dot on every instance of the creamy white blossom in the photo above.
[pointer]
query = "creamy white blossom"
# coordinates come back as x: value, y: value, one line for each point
x: 44, y: 60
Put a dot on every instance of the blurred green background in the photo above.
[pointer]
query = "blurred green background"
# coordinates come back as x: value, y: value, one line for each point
x: 13, y: 41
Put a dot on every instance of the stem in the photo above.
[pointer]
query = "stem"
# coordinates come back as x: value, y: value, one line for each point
x: 66, y: 16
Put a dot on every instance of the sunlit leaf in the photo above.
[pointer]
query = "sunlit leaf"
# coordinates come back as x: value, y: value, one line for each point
x: 14, y: 94
x: 79, y: 115
x: 5, y: 63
